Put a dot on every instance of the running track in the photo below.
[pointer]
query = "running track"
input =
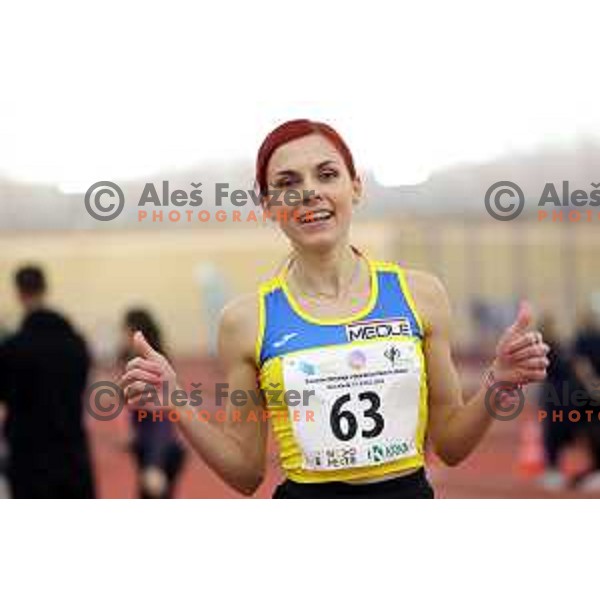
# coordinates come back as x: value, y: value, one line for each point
x: 491, y: 472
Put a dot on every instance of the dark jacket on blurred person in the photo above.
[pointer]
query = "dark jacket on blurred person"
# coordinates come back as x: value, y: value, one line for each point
x: 587, y: 346
x: 43, y: 375
x: 587, y: 360
x: 561, y: 393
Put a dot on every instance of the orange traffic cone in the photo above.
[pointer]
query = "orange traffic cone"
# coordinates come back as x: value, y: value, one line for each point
x: 530, y: 459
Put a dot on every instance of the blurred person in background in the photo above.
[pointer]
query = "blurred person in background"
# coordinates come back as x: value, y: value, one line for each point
x: 586, y: 357
x: 213, y: 292
x: 4, y: 490
x: 4, y: 332
x: 556, y: 391
x: 587, y: 348
x: 43, y: 375
x: 158, y: 452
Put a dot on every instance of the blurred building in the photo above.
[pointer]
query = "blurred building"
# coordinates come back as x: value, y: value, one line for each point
x: 96, y: 276
x: 99, y: 269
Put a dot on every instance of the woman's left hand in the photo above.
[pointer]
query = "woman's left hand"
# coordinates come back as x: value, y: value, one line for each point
x: 521, y: 354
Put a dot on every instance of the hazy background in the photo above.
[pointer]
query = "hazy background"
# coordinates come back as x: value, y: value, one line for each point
x: 437, y: 101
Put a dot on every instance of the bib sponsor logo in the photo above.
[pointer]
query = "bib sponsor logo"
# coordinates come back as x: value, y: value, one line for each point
x: 378, y: 453
x: 393, y: 354
x: 357, y: 360
x: 378, y: 329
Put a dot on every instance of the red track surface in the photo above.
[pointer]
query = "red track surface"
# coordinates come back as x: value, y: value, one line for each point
x: 489, y: 473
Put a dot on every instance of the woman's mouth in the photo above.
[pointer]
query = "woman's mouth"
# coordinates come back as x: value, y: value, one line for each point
x: 315, y: 216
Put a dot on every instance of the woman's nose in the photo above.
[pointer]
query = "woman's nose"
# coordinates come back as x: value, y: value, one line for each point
x: 311, y: 196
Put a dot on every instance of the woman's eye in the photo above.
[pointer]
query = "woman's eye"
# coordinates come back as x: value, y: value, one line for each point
x: 283, y: 183
x: 326, y: 175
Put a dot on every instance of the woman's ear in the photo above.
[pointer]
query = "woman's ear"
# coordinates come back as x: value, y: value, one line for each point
x: 357, y: 187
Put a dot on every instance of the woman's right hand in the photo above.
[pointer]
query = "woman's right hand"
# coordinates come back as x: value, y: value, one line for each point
x: 149, y: 367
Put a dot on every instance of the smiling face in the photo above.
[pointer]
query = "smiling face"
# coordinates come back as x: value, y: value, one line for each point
x: 310, y: 167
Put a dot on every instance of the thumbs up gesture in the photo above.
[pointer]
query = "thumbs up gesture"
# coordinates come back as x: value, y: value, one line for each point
x: 149, y: 368
x: 521, y: 354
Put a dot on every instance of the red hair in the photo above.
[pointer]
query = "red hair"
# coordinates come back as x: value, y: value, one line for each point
x: 292, y: 130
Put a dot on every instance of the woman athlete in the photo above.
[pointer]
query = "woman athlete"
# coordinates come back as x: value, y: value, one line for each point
x: 360, y: 349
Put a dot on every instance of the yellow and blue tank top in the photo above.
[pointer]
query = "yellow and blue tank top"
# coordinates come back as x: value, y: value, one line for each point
x: 346, y: 398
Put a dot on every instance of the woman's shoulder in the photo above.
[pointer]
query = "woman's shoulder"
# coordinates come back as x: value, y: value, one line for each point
x: 424, y: 283
x: 238, y: 324
x: 429, y: 294
x: 241, y: 312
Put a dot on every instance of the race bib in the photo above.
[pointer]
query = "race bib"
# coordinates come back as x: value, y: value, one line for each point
x: 360, y: 404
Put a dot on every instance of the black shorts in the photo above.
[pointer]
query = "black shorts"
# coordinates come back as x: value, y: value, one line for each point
x: 414, y: 486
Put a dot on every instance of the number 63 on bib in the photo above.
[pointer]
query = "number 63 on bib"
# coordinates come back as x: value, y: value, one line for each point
x: 364, y: 399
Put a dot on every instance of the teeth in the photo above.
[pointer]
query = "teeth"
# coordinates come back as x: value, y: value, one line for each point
x: 318, y: 215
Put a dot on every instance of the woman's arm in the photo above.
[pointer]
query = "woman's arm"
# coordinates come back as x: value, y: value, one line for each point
x: 456, y: 425
x: 234, y: 450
